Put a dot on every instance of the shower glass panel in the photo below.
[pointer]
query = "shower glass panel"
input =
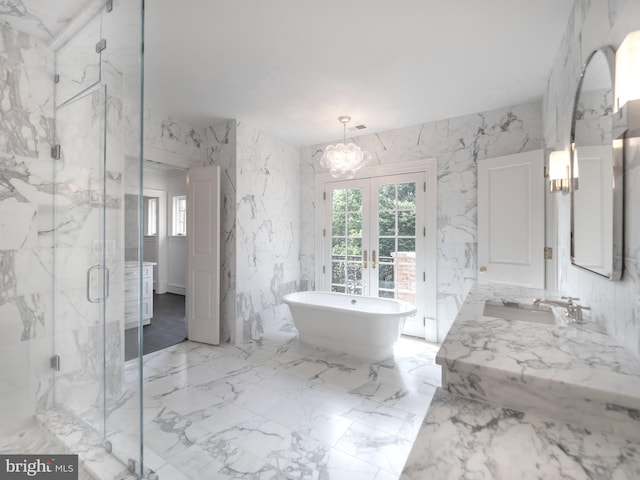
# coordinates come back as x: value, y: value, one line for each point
x: 97, y: 126
x: 78, y: 62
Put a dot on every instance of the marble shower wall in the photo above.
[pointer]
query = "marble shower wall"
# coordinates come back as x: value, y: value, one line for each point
x: 220, y: 149
x: 458, y: 144
x: 267, y: 230
x: 26, y: 222
x: 593, y: 24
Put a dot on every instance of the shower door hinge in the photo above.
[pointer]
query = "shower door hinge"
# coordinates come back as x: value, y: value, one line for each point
x: 56, y: 78
x: 101, y: 45
x: 548, y: 253
x: 109, y: 5
x: 55, y: 362
x: 56, y: 151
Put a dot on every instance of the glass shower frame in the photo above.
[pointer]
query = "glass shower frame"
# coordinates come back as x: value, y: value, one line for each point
x: 98, y: 126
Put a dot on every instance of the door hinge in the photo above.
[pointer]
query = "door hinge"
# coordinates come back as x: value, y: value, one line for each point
x: 546, y: 172
x: 324, y: 195
x: 109, y: 5
x: 424, y: 321
x: 548, y: 253
x: 424, y: 187
x: 55, y: 362
x: 324, y: 269
x: 101, y: 45
x: 56, y: 152
x: 424, y: 276
x: 324, y: 232
x: 424, y: 231
x: 56, y: 78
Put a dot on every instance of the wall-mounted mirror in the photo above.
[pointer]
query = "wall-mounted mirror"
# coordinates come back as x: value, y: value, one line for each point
x: 596, y: 195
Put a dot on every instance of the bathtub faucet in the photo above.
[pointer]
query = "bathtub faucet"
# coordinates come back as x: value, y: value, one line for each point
x: 572, y: 309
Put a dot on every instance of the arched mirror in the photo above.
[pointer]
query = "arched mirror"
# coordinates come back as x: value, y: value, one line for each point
x: 596, y: 196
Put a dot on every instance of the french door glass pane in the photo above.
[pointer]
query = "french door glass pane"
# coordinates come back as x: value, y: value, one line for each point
x: 346, y: 241
x: 397, y: 241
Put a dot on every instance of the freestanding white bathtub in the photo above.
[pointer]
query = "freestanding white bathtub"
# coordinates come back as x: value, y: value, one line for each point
x: 366, y: 327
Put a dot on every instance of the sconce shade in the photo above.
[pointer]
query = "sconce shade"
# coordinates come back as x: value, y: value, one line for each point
x: 558, y: 165
x: 627, y: 87
x: 559, y: 171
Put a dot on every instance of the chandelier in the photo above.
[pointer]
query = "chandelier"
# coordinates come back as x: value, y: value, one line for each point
x: 344, y: 160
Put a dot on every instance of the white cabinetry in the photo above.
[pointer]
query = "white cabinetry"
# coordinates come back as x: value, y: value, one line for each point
x: 131, y: 297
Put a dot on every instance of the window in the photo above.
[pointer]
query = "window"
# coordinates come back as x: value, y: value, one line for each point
x: 180, y: 215
x: 150, y: 216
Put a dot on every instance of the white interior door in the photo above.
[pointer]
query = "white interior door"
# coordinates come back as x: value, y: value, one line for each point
x: 375, y: 239
x: 511, y: 220
x: 203, y: 255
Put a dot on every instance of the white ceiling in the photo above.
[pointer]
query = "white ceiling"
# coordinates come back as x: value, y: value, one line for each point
x: 291, y: 67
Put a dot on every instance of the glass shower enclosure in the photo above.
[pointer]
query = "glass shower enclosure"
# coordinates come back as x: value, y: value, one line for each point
x: 97, y: 156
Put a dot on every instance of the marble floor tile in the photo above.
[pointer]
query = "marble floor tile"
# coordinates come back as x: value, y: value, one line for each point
x: 384, y: 450
x: 278, y: 409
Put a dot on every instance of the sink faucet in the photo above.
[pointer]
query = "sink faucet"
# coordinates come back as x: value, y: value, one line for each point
x: 572, y: 309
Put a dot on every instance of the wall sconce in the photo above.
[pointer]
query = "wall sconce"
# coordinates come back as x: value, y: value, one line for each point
x: 627, y: 87
x: 559, y: 172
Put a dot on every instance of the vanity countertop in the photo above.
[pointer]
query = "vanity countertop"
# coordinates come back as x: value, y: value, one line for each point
x: 575, y: 373
x: 529, y: 400
x: 467, y: 439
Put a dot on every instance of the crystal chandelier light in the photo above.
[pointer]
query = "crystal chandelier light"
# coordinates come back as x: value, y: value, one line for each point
x: 344, y: 160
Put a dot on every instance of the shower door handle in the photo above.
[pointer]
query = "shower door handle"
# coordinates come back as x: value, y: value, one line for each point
x: 107, y: 289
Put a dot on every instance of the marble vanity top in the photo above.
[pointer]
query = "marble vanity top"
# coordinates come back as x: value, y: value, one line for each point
x: 466, y: 439
x: 529, y: 400
x: 575, y: 373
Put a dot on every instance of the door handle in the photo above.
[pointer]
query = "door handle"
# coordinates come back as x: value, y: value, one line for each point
x: 107, y: 284
x: 364, y: 259
x: 373, y: 259
x: 90, y: 284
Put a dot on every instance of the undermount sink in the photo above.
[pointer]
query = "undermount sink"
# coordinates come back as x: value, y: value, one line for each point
x: 518, y: 311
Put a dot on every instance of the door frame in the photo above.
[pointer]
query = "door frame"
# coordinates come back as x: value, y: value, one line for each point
x: 429, y: 168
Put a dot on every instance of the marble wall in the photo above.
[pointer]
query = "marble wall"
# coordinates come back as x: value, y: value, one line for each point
x: 26, y: 222
x: 458, y: 144
x: 267, y: 230
x: 220, y: 149
x: 593, y: 24
x: 260, y: 217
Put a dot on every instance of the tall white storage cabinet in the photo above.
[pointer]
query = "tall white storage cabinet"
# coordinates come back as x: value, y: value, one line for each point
x: 131, y: 285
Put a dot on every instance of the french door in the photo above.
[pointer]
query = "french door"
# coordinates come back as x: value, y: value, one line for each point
x: 374, y: 241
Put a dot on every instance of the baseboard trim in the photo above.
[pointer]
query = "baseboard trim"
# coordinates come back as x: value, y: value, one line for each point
x: 177, y: 290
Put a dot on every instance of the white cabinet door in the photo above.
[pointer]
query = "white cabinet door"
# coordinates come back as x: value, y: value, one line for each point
x: 511, y: 220
x: 203, y: 255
